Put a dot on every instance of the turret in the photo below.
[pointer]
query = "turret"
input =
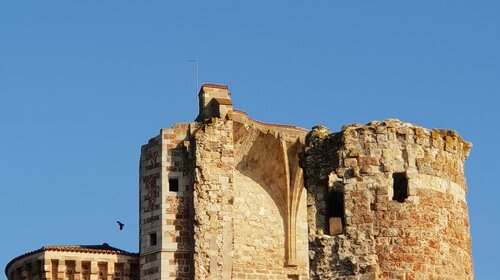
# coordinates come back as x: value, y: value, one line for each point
x: 214, y: 102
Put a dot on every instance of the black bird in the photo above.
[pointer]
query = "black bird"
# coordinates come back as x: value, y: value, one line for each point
x: 121, y: 225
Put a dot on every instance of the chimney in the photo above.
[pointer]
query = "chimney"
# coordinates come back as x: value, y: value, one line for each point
x: 215, y: 102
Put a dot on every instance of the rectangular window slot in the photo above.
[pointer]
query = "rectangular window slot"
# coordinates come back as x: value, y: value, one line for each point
x: 400, y: 187
x: 335, y: 211
x: 173, y: 184
x: 152, y: 239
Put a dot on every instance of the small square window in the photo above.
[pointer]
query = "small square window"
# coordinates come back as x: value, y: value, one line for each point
x: 173, y: 184
x: 152, y: 239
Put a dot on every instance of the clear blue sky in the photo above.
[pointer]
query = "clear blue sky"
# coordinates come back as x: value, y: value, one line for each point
x: 83, y: 84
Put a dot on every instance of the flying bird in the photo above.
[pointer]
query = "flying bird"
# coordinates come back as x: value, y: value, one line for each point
x: 120, y: 224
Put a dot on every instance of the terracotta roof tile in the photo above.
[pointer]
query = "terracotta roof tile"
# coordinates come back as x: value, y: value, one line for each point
x: 91, y: 249
x: 223, y: 101
x: 215, y: 86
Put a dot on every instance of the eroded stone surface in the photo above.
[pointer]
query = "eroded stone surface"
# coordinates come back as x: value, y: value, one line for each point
x: 385, y: 200
x: 422, y: 236
x: 239, y: 212
x: 228, y: 197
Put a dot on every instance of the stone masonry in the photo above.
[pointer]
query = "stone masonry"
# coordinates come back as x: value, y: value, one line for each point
x: 228, y: 197
x: 404, y: 214
x: 74, y: 262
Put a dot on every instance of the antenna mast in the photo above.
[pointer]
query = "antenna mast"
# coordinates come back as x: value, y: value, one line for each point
x: 196, y: 74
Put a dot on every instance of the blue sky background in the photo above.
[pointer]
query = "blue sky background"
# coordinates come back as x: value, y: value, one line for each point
x: 83, y: 84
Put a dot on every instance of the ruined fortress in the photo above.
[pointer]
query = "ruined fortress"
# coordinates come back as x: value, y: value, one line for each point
x: 228, y: 197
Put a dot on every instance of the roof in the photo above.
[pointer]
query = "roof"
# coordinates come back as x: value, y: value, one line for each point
x: 223, y: 101
x: 215, y: 86
x: 104, y: 248
x: 212, y: 86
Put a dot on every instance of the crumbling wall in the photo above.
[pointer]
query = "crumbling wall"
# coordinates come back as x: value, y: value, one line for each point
x: 405, y: 214
x: 213, y: 200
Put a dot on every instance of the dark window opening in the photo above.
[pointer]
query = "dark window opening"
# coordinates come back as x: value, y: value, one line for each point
x: 152, y: 239
x: 55, y: 267
x: 400, y: 187
x: 335, y: 211
x: 173, y: 184
x: 39, y: 266
x: 134, y: 271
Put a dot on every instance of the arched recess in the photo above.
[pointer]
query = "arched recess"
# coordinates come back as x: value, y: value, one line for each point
x: 272, y: 162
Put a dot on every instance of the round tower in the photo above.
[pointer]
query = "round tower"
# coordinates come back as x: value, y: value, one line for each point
x: 386, y: 200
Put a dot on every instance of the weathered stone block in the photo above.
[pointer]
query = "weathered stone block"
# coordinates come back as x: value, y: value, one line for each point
x: 336, y: 227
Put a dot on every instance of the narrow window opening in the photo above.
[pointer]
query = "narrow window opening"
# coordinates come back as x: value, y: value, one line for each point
x: 70, y: 269
x: 400, y: 187
x: 335, y: 211
x: 173, y: 184
x: 39, y: 267
x: 118, y: 271
x: 85, y: 271
x: 134, y: 271
x: 152, y: 239
x: 103, y: 270
x: 55, y: 267
x: 29, y: 268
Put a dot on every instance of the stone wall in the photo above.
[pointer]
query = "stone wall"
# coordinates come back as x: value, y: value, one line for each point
x: 213, y: 200
x: 384, y: 200
x: 269, y: 211
x: 405, y: 214
x: 150, y: 200
x: 73, y: 263
x: 177, y: 182
x: 166, y: 227
x: 224, y: 198
x: 250, y: 218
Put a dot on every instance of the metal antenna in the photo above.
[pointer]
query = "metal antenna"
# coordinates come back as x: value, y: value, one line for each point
x: 196, y: 73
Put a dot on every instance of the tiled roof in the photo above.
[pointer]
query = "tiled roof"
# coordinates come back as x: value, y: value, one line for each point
x: 215, y: 86
x: 101, y: 249
x: 89, y: 249
x: 223, y: 101
x: 212, y: 86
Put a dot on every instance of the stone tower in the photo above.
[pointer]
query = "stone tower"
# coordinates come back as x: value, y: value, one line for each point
x: 228, y: 197
x: 386, y: 200
x: 223, y: 197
